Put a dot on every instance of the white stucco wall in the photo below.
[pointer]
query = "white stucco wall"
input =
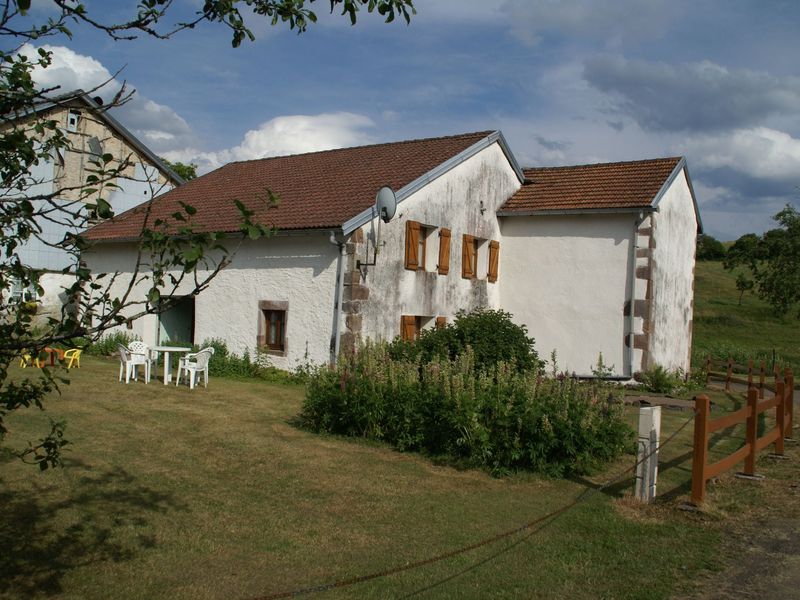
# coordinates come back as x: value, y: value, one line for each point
x: 567, y: 278
x: 464, y: 200
x: 300, y: 270
x: 672, y: 273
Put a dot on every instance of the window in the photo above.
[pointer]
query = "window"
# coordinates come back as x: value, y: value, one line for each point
x: 441, y: 322
x: 494, y: 260
x: 19, y: 293
x: 469, y: 257
x: 444, y: 252
x: 272, y: 317
x: 72, y: 120
x: 417, y: 258
x: 412, y: 325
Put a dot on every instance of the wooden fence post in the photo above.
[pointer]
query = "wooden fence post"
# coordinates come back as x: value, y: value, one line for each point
x: 749, y: 374
x: 761, y: 377
x: 702, y: 408
x: 789, y: 406
x: 729, y: 375
x: 784, y: 392
x: 751, y: 436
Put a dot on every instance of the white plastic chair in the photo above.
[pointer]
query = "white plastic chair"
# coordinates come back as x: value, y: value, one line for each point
x: 130, y: 361
x: 194, y: 364
x: 139, y: 347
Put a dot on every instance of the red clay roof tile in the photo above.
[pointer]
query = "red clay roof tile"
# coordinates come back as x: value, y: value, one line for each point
x: 617, y: 185
x: 315, y: 190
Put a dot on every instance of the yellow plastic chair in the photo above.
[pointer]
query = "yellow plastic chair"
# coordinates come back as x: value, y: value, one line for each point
x: 74, y: 357
x: 26, y: 360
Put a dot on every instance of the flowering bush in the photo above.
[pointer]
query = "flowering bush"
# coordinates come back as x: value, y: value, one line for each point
x: 499, y: 418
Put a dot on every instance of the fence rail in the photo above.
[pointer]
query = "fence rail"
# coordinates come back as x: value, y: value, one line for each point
x: 783, y: 404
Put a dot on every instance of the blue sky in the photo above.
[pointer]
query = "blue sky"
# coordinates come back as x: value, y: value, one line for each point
x: 568, y: 82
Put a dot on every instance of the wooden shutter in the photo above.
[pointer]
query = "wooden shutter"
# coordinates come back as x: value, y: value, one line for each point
x: 408, y: 327
x: 494, y: 259
x: 467, y: 257
x: 441, y: 322
x: 444, y: 251
x: 412, y: 245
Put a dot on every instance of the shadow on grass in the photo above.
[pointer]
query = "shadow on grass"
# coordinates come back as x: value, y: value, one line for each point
x: 43, y: 538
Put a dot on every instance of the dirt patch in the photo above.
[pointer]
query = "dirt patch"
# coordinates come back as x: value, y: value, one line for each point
x: 765, y: 563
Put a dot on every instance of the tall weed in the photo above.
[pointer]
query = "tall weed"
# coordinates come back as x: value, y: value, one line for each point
x: 499, y: 418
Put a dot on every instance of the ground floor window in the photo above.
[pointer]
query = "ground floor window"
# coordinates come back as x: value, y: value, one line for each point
x: 272, y: 320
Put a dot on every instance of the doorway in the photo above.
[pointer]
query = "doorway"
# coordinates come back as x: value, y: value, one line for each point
x: 176, y: 324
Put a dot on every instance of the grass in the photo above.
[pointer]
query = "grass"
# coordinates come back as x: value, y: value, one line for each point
x: 172, y: 493
x: 722, y: 327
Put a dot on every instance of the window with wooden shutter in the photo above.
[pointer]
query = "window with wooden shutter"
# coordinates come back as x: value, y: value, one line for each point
x: 494, y: 259
x: 469, y: 257
x: 409, y: 329
x: 413, y: 259
x: 441, y: 322
x: 444, y: 252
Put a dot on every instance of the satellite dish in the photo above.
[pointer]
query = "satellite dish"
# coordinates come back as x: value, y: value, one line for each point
x: 386, y: 203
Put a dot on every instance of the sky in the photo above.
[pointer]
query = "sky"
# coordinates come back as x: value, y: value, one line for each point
x: 567, y: 82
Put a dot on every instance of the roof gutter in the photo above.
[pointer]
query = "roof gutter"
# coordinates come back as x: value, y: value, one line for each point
x: 369, y: 214
x: 576, y: 211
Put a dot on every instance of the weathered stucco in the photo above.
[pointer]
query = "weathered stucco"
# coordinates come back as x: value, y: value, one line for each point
x: 672, y: 274
x: 567, y: 279
x: 299, y: 270
x: 464, y: 200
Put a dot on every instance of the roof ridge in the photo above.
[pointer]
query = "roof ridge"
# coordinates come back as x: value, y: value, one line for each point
x: 609, y: 164
x: 376, y: 145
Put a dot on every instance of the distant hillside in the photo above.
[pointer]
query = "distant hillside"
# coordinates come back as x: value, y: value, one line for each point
x: 722, y: 327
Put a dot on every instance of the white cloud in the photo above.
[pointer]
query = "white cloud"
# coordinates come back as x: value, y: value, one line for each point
x: 760, y: 153
x: 158, y: 126
x: 291, y: 134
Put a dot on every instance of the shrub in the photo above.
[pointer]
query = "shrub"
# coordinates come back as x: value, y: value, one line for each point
x: 107, y: 344
x: 499, y: 418
x: 491, y: 334
x: 224, y: 363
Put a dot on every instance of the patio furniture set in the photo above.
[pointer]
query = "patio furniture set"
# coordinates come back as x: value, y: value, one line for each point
x: 72, y: 357
x: 138, y: 354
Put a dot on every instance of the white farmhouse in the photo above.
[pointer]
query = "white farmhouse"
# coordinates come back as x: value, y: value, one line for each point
x: 595, y: 258
x: 90, y: 132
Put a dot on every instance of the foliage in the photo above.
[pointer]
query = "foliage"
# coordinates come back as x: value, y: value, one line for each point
x: 773, y: 262
x: 497, y: 417
x: 658, y: 380
x: 185, y: 172
x: 171, y: 254
x: 224, y: 363
x: 491, y: 334
x: 107, y: 345
x: 709, y: 248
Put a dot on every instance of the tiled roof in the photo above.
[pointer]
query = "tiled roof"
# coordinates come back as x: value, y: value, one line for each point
x: 633, y: 184
x: 315, y: 190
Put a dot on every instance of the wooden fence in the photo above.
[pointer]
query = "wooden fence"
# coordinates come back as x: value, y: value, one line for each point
x: 750, y: 374
x: 783, y: 403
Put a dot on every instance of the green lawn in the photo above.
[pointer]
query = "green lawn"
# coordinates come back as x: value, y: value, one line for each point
x: 722, y: 327
x: 172, y: 493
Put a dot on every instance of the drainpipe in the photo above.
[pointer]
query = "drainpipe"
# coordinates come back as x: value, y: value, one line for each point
x: 337, y: 239
x: 632, y: 299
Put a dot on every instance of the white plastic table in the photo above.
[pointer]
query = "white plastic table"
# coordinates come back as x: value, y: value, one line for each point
x: 166, y: 350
